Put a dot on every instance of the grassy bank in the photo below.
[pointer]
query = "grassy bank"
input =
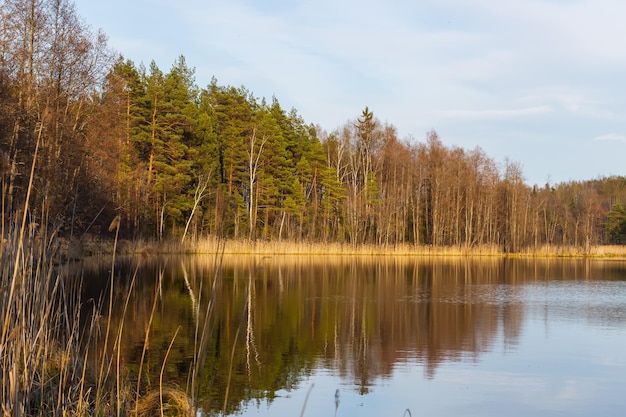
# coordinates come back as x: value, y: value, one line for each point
x: 212, y: 246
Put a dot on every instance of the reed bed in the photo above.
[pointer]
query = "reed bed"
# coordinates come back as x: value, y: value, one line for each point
x: 319, y: 248
x: 52, y: 361
x: 212, y: 245
x: 569, y: 251
x: 216, y: 245
x: 41, y: 365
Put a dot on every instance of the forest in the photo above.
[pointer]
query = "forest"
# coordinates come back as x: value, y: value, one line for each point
x: 87, y: 135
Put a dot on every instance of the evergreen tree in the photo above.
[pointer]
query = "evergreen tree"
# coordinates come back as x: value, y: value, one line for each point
x: 233, y: 117
x: 278, y: 165
x: 121, y: 102
x: 206, y: 166
x: 615, y: 226
x: 333, y: 196
x: 173, y: 160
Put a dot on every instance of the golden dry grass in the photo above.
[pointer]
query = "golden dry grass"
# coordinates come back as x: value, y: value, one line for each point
x: 167, y: 401
x: 211, y: 246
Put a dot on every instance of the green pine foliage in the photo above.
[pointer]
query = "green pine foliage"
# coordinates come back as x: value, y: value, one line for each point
x: 615, y: 227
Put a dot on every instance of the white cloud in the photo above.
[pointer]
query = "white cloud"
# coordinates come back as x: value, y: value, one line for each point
x: 579, y: 101
x: 612, y: 137
x: 497, y: 114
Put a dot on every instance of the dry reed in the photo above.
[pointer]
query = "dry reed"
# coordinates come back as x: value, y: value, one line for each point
x: 211, y: 245
x: 167, y: 401
x: 51, y: 363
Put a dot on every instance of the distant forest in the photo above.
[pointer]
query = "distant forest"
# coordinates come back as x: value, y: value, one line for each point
x: 93, y: 135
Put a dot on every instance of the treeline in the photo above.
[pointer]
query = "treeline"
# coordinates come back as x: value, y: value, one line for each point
x: 105, y: 137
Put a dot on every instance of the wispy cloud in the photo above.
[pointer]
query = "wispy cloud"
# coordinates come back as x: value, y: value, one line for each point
x: 495, y: 114
x: 611, y: 137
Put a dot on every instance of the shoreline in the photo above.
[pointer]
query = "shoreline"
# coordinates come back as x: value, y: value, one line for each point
x: 247, y: 247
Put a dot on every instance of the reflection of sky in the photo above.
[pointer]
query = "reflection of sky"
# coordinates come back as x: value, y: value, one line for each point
x: 555, y: 369
x: 567, y: 361
x: 600, y: 303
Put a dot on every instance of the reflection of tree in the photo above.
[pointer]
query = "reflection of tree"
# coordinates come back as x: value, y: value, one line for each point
x: 250, y: 342
x: 357, y: 317
x: 407, y: 311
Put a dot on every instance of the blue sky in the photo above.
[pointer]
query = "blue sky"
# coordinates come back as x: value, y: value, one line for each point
x: 540, y: 82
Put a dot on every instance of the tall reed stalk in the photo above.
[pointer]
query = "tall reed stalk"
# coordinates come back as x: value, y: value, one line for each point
x: 42, y: 359
x: 115, y: 225
x: 44, y: 341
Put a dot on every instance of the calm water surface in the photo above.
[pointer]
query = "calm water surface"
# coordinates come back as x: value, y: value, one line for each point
x: 438, y: 336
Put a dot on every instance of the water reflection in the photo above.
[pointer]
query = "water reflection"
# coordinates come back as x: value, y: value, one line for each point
x: 281, y: 318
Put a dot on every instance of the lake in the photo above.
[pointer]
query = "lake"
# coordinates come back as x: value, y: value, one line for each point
x: 437, y: 336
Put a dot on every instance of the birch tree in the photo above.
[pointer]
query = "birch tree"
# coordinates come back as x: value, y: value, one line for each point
x: 254, y: 154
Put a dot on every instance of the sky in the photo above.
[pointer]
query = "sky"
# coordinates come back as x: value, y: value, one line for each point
x: 541, y: 83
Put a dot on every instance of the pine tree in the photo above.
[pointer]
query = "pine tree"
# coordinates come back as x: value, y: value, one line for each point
x: 117, y: 118
x: 278, y: 165
x: 233, y: 116
x: 615, y: 226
